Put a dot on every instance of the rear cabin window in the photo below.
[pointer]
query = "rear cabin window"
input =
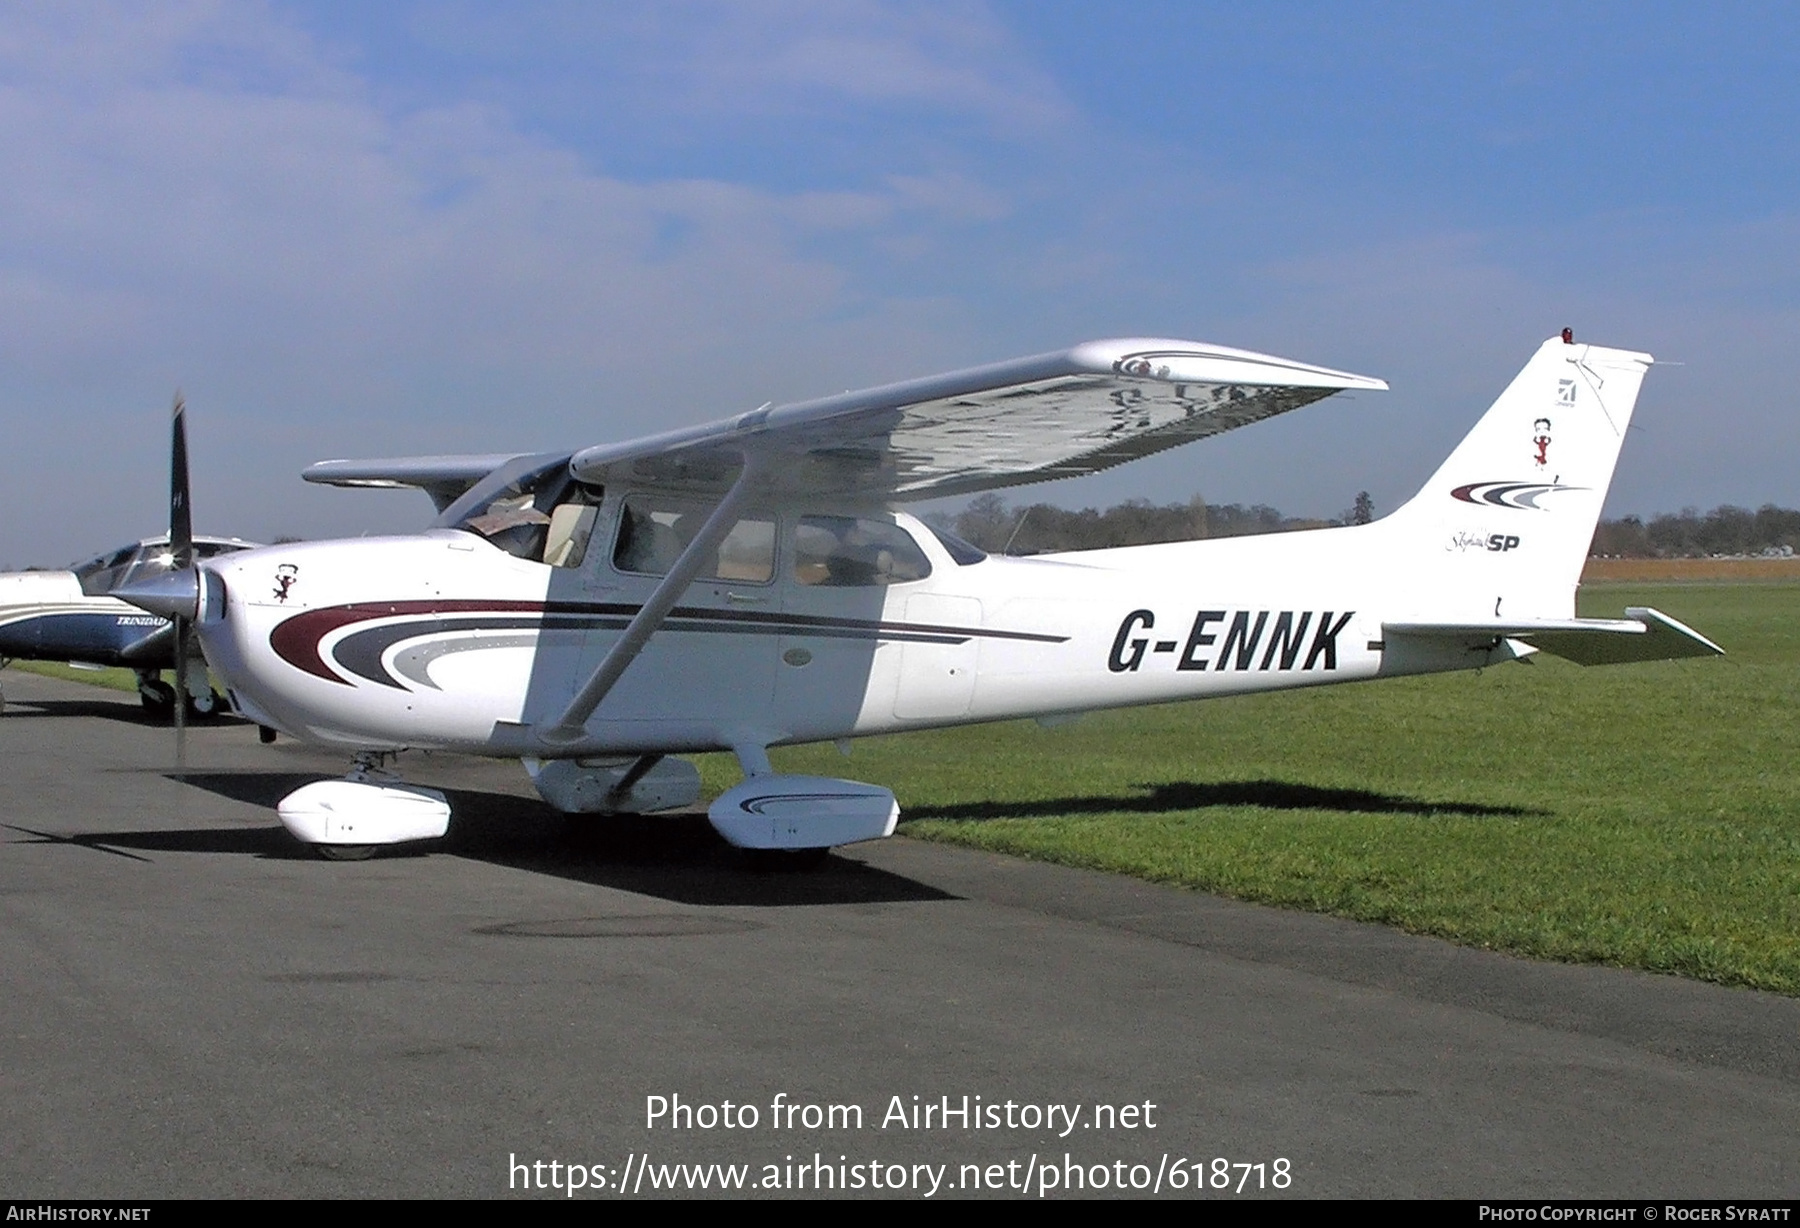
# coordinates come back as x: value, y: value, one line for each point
x: 653, y: 534
x: 853, y: 552
x: 960, y: 551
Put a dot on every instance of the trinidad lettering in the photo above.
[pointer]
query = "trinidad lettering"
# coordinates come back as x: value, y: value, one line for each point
x: 1244, y: 635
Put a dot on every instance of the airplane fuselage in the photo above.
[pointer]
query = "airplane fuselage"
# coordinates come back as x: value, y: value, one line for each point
x: 443, y: 641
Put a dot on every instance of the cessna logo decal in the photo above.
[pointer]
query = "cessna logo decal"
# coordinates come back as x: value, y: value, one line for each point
x: 1142, y: 364
x: 1281, y: 637
x: 1522, y: 495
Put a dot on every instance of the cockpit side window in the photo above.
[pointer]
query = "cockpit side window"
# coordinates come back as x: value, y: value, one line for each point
x: 653, y: 533
x: 853, y: 551
x: 571, y: 526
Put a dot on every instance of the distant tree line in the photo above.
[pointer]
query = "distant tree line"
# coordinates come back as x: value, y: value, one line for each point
x: 1041, y: 528
x: 1690, y: 533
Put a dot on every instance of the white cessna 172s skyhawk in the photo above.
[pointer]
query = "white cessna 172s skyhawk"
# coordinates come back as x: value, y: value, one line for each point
x: 751, y: 583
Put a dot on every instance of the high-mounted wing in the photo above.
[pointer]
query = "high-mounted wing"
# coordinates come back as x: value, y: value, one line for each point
x: 1052, y: 416
x: 1057, y: 415
x: 444, y: 478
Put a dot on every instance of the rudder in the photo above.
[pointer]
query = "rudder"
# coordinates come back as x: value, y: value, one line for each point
x: 1508, y: 519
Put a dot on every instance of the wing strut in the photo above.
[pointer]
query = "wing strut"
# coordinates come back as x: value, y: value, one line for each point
x: 567, y: 728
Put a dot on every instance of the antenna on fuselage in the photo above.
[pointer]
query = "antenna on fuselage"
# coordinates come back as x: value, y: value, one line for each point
x: 1007, y: 548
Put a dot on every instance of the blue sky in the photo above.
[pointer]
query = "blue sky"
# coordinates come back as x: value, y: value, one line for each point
x: 347, y: 229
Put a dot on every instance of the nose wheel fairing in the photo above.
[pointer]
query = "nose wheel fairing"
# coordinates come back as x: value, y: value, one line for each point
x: 367, y: 809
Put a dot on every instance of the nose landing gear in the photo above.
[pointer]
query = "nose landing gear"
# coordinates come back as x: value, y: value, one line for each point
x: 158, y: 697
x: 348, y: 819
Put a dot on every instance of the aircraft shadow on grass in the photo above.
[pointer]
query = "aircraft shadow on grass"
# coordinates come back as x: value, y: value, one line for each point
x: 1177, y: 796
x: 676, y: 857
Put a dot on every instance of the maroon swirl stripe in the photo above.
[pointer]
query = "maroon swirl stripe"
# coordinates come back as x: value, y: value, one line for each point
x: 296, y: 640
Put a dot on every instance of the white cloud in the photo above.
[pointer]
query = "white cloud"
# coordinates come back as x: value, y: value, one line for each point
x: 730, y: 57
x: 199, y: 197
x: 209, y: 195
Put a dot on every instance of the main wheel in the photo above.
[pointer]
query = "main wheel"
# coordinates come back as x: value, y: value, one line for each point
x: 157, y: 696
x: 205, y: 707
x: 777, y: 861
x: 345, y: 852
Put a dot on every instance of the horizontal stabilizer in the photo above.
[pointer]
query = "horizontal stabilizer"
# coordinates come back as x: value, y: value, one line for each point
x: 1642, y: 635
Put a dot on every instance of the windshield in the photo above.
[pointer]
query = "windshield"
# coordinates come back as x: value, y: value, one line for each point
x: 99, y: 574
x: 543, y: 516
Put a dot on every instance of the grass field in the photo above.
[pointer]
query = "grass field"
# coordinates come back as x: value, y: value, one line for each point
x: 1644, y: 815
x: 112, y: 679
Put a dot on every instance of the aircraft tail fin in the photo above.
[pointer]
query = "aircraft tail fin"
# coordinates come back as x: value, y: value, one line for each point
x: 1508, y: 519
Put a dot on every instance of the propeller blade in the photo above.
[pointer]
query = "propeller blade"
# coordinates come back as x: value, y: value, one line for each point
x: 181, y: 548
x: 181, y: 524
x: 181, y: 693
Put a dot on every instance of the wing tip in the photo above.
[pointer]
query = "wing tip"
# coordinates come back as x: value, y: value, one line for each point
x: 405, y: 471
x: 1176, y: 361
